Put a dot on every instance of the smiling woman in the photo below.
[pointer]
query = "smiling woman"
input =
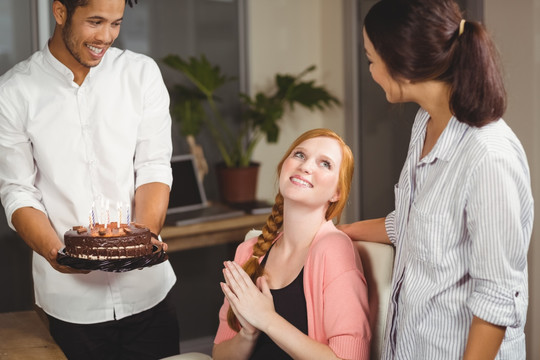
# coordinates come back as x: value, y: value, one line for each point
x: 300, y: 291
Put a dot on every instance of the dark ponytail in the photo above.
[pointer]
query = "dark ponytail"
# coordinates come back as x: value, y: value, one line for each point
x: 420, y: 40
x: 478, y: 95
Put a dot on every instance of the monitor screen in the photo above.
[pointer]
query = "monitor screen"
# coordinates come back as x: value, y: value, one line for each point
x: 187, y: 192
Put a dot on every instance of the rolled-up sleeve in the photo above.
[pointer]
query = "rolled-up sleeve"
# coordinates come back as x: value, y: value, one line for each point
x: 390, y: 225
x: 17, y: 169
x: 154, y: 144
x: 499, y: 219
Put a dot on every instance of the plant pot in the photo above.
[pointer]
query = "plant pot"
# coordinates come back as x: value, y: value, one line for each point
x: 237, y: 185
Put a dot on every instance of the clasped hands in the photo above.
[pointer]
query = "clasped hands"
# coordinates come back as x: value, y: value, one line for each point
x: 252, y: 303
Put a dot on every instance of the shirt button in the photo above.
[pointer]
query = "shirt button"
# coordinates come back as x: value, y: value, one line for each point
x: 517, y: 293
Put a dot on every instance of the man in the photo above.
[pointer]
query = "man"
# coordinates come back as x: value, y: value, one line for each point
x: 79, y: 121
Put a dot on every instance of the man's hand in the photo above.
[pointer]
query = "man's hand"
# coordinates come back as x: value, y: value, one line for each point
x: 52, y: 257
x: 160, y: 244
x: 34, y: 227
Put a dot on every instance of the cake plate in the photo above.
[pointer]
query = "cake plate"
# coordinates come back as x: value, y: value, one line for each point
x: 116, y: 265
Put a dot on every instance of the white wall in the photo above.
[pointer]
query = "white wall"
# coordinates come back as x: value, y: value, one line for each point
x: 286, y: 37
x: 517, y: 35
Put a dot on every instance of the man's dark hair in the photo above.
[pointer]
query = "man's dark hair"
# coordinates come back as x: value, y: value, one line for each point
x: 71, y: 5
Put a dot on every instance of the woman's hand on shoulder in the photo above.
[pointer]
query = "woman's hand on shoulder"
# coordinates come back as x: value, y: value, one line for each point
x: 373, y: 230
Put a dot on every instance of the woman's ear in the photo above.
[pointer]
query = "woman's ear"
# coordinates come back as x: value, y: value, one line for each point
x: 335, y: 197
x: 59, y: 12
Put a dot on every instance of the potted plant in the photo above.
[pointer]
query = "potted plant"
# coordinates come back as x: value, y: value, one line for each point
x: 260, y: 118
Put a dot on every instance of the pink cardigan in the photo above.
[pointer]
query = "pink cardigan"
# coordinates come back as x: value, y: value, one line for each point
x: 335, y: 291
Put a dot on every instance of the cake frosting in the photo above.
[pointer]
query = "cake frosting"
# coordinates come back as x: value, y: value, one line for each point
x: 110, y: 242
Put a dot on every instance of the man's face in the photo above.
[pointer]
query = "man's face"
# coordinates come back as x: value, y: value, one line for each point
x: 92, y: 30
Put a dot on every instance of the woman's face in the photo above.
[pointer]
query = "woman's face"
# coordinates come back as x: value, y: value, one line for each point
x: 379, y: 73
x: 310, y: 173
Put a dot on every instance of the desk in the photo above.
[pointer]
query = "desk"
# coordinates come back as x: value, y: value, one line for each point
x: 210, y: 233
x: 23, y: 336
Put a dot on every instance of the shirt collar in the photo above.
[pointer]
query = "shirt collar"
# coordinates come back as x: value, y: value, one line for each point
x: 447, y: 143
x: 63, y: 69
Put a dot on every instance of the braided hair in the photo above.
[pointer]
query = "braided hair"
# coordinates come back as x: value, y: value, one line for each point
x: 274, y: 222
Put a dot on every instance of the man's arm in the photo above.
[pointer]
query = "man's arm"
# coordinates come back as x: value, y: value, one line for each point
x: 151, y: 202
x: 34, y: 227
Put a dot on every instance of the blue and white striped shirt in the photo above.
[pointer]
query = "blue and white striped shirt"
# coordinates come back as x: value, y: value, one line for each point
x: 461, y: 227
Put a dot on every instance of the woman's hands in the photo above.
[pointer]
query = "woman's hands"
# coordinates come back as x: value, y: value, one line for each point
x: 252, y: 304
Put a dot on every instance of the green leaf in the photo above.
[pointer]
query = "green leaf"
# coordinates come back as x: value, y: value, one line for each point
x: 206, y: 77
x: 311, y: 96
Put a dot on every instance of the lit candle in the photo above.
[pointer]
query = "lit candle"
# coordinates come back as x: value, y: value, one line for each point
x: 127, y: 215
x: 101, y: 212
x: 107, y: 205
x: 93, y: 214
x: 119, y: 208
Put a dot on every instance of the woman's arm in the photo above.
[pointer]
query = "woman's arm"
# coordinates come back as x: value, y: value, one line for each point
x: 373, y: 230
x: 484, y: 340
x: 239, y: 347
x: 294, y: 342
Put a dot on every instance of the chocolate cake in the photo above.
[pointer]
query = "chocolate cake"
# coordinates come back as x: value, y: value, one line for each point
x: 110, y: 242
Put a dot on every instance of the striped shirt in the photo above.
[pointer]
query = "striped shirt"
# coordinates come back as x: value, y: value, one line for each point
x: 461, y: 227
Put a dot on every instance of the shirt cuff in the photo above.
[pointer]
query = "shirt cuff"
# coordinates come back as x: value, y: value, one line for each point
x: 150, y: 174
x: 497, y: 305
x: 20, y: 203
x: 350, y: 347
x: 389, y: 224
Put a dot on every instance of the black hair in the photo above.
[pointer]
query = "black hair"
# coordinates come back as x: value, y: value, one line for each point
x: 421, y: 40
x: 71, y: 5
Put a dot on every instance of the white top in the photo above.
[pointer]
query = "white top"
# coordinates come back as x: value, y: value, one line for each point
x: 462, y: 226
x: 64, y: 145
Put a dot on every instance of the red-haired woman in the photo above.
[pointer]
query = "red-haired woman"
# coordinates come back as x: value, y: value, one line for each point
x: 301, y: 292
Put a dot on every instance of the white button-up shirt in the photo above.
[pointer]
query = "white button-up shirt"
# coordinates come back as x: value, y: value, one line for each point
x: 461, y: 227
x: 62, y: 146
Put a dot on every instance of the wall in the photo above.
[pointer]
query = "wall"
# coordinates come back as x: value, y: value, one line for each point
x: 288, y: 36
x: 517, y: 36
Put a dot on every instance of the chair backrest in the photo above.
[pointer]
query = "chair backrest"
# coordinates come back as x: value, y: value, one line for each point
x: 378, y: 263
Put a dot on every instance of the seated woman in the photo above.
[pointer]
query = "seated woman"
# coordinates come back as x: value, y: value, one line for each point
x: 301, y: 292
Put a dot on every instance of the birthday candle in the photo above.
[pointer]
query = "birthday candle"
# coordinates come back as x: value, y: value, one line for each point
x: 101, y: 216
x: 93, y: 214
x: 90, y: 219
x: 107, y: 205
x: 127, y: 215
x: 119, y: 208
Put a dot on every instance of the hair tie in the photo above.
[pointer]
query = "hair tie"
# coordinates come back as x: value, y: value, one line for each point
x: 461, y: 27
x: 255, y: 256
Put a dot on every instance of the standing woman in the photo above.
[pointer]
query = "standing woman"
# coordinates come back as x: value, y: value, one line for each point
x: 463, y: 206
x: 301, y: 293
